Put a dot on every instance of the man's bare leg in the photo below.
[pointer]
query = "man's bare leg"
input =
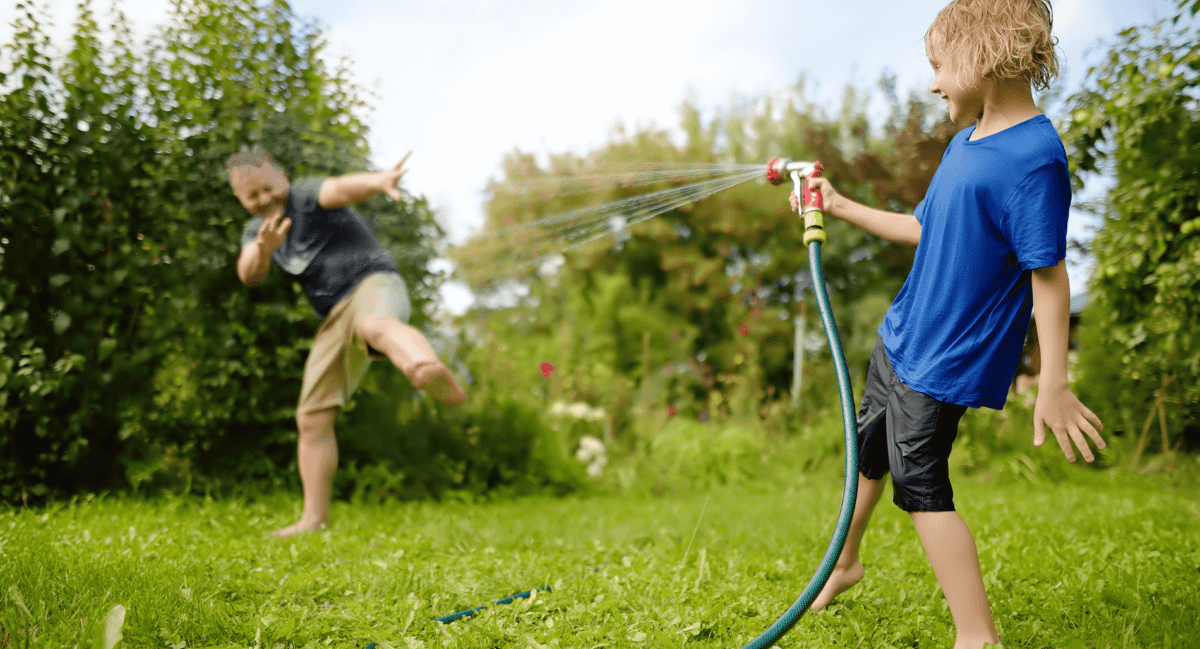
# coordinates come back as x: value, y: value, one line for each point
x: 849, y: 569
x: 955, y: 560
x: 317, y: 456
x: 407, y: 349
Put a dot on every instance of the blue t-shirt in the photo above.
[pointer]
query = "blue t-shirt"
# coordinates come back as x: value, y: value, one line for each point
x: 328, y: 251
x: 995, y: 210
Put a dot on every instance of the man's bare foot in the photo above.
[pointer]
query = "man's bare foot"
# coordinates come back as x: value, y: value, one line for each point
x: 435, y: 378
x: 299, y: 527
x: 839, y: 580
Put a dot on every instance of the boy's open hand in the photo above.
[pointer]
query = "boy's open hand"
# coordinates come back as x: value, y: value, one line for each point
x: 1068, y: 419
x: 390, y: 179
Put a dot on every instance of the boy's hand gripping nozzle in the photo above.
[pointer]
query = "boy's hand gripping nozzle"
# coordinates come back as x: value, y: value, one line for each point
x: 813, y: 208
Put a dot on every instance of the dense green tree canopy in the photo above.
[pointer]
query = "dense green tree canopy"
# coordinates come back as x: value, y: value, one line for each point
x: 1138, y: 118
x: 128, y: 347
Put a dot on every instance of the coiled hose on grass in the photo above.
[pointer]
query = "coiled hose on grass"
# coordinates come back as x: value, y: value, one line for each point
x: 814, y: 236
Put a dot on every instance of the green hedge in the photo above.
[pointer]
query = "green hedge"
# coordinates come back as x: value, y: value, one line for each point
x: 130, y: 354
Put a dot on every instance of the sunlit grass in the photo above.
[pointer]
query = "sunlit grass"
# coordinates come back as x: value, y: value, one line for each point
x: 1101, y: 560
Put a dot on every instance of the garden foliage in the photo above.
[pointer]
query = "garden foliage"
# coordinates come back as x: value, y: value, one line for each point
x: 130, y: 354
x: 1138, y: 117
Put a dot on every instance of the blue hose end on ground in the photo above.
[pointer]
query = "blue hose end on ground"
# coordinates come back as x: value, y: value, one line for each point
x: 447, y: 619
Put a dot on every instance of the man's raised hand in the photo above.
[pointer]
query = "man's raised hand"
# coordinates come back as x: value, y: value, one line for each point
x: 273, y: 231
x: 391, y: 178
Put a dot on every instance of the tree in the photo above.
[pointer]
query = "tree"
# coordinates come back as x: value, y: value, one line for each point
x: 1138, y: 116
x: 691, y: 277
x: 129, y: 348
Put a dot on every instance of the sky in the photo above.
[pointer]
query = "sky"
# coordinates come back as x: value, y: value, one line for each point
x: 462, y: 84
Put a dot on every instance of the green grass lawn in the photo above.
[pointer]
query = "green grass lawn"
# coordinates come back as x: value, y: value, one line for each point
x: 1102, y: 560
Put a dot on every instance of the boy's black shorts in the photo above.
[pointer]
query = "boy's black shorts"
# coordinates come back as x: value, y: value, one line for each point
x: 909, y: 434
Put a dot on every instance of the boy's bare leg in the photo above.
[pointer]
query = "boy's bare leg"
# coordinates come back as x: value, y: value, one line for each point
x: 955, y: 560
x: 317, y: 456
x: 411, y: 353
x: 849, y: 569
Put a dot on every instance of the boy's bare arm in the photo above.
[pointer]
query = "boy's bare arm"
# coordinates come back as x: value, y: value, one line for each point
x: 353, y: 189
x: 1057, y: 407
x: 903, y: 229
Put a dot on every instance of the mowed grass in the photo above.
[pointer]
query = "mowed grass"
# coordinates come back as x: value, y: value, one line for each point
x: 1101, y: 560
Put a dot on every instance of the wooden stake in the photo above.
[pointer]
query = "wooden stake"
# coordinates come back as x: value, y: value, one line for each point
x: 645, y: 355
x: 1145, y: 436
x: 1162, y: 415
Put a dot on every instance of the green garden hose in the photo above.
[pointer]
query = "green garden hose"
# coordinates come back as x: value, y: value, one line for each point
x: 814, y: 235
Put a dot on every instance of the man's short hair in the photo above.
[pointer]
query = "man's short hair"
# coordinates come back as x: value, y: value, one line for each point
x: 244, y: 161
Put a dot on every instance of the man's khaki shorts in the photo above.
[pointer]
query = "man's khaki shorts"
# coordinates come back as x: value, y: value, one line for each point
x: 340, y: 356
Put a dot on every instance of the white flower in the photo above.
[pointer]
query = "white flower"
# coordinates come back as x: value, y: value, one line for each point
x: 590, y: 449
x: 578, y: 410
x: 596, y: 468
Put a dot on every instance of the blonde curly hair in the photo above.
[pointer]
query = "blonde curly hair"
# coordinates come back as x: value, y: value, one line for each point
x: 997, y: 40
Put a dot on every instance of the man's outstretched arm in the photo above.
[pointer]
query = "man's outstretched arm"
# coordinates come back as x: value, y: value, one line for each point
x: 353, y: 189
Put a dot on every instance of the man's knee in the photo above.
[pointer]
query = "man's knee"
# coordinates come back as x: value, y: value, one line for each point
x: 317, y: 423
x: 375, y: 329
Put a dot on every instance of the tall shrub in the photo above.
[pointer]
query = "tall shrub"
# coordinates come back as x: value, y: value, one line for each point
x: 1138, y: 116
x: 129, y: 350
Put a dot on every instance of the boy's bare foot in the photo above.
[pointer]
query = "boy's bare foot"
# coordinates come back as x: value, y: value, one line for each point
x: 839, y: 580
x: 299, y: 527
x: 435, y: 378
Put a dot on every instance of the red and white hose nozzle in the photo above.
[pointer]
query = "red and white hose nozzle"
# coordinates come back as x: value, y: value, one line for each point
x: 779, y: 170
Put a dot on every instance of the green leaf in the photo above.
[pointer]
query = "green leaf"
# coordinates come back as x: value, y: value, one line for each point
x: 106, y: 347
x: 58, y: 280
x: 61, y: 322
x: 112, y: 627
x: 15, y: 596
x: 61, y: 245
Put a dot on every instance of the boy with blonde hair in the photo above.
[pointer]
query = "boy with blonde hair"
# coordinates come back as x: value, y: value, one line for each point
x: 991, y: 242
x: 353, y: 284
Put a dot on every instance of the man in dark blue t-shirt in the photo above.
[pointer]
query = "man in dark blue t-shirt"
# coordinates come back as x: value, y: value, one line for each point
x: 315, y: 237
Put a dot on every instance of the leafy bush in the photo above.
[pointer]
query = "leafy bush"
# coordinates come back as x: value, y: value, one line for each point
x: 1137, y: 116
x: 130, y: 354
x: 396, y: 445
